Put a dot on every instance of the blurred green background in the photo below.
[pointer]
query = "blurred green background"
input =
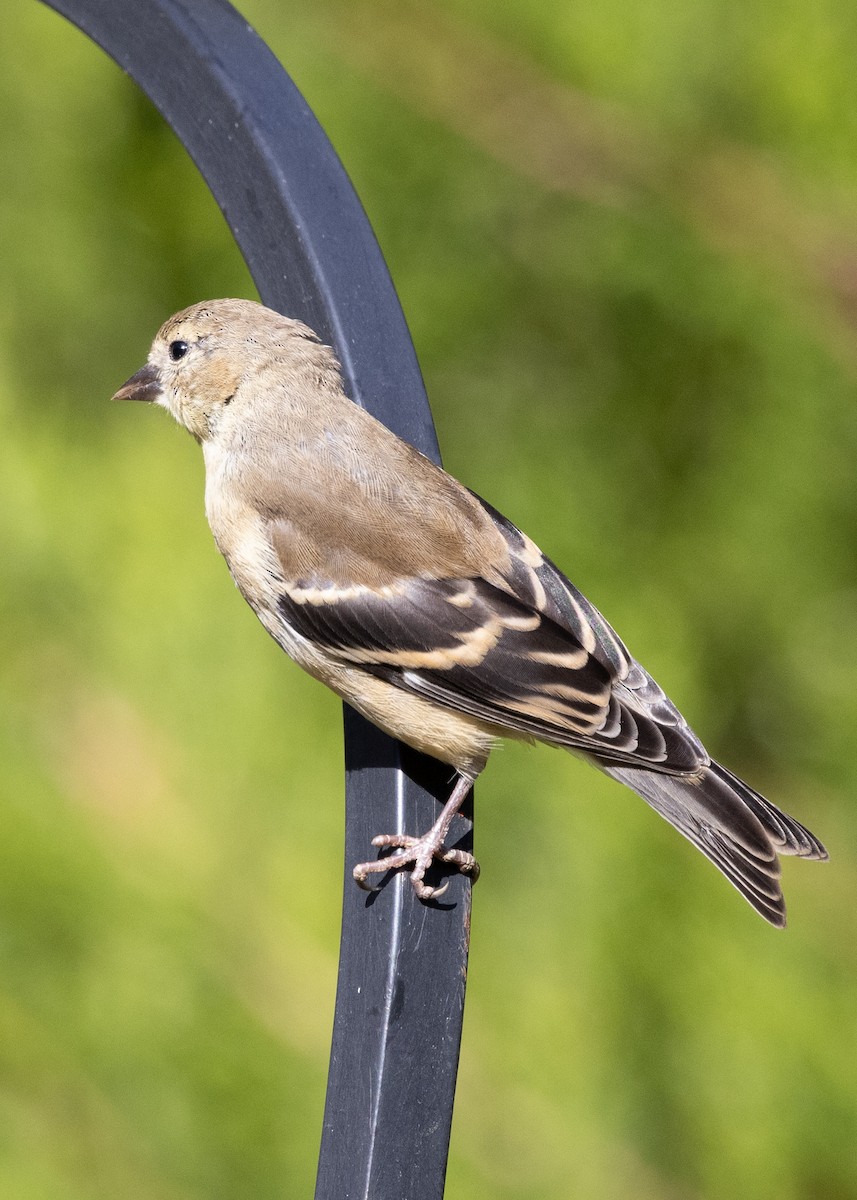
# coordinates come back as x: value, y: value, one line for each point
x: 625, y: 238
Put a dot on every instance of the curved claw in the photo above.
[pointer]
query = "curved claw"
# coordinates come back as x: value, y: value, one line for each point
x: 425, y: 892
x: 360, y: 879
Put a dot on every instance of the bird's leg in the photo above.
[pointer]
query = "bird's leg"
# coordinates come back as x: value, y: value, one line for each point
x: 422, y: 850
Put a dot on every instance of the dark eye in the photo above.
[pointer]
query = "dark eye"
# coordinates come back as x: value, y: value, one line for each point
x: 178, y: 350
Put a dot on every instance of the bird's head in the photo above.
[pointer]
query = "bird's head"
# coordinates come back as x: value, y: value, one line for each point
x: 202, y: 356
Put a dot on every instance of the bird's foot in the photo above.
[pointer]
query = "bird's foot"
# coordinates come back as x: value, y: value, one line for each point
x: 421, y: 851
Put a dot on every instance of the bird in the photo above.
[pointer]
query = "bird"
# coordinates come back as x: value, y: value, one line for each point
x: 420, y: 604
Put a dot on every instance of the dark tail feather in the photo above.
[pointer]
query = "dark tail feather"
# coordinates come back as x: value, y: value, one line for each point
x: 739, y: 830
x: 787, y: 834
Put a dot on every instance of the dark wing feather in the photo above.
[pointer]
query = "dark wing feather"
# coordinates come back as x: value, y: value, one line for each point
x: 520, y: 648
x: 466, y: 644
x: 638, y: 705
x: 471, y: 646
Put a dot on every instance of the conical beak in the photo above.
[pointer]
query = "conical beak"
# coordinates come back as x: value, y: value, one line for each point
x: 144, y: 385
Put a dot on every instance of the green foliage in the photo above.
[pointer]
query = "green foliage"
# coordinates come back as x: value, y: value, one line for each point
x: 624, y: 239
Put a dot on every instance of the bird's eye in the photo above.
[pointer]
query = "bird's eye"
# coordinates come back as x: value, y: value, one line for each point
x: 178, y: 350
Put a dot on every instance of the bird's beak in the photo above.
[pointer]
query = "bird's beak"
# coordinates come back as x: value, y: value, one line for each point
x: 144, y: 385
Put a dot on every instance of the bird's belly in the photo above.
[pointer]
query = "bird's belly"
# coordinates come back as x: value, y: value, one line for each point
x: 451, y: 737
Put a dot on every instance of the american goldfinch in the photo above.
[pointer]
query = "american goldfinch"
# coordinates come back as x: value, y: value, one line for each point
x: 420, y: 604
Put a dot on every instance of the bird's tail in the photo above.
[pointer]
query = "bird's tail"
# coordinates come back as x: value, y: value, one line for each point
x: 739, y: 830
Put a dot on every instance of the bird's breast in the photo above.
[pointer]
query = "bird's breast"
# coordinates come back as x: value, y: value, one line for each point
x: 240, y: 532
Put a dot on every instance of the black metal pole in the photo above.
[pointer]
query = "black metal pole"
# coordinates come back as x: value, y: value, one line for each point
x: 313, y: 255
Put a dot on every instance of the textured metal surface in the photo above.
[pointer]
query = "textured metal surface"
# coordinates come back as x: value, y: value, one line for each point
x: 313, y: 255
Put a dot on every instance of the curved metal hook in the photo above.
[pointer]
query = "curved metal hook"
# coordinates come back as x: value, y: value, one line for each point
x: 312, y: 254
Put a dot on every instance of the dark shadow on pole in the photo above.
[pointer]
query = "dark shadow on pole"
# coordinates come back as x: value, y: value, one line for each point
x: 312, y: 254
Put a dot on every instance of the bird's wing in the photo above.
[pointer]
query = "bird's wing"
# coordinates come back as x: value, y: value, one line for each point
x: 465, y: 644
x: 536, y: 580
x: 525, y: 653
